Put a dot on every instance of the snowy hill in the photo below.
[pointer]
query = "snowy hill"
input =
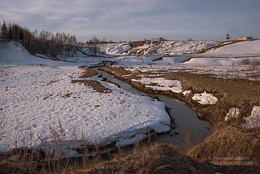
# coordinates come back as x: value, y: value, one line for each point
x: 159, y: 48
x: 14, y: 52
x: 240, y: 48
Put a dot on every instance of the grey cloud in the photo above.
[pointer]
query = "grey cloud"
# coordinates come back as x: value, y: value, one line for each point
x: 115, y: 19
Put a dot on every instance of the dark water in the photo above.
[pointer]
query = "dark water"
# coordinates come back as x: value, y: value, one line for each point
x: 185, y: 119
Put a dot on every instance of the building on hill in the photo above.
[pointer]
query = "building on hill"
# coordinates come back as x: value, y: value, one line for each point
x: 244, y: 38
x: 155, y: 40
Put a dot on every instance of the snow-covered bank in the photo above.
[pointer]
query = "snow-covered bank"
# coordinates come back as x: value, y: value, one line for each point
x: 253, y: 121
x: 38, y: 98
x: 162, y: 48
x: 241, y: 48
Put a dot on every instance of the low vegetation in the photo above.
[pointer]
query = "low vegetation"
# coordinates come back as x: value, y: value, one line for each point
x: 156, y: 158
x: 149, y: 159
x: 229, y: 145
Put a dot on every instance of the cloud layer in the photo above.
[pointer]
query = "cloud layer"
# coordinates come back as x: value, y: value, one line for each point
x: 137, y: 19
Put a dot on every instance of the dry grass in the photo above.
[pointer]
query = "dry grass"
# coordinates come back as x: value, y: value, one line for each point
x: 97, y: 86
x: 143, y: 158
x: 229, y: 146
x: 239, y: 93
x: 87, y: 72
x: 148, y: 159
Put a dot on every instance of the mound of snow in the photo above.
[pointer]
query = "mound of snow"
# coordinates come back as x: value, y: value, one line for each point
x: 187, y: 92
x: 162, y: 84
x: 14, y: 52
x: 152, y: 49
x: 205, y: 98
x: 244, y: 48
x: 232, y: 113
x: 119, y: 49
x: 253, y: 121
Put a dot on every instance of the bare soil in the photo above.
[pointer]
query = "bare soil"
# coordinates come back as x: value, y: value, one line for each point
x: 97, y: 86
x: 87, y: 72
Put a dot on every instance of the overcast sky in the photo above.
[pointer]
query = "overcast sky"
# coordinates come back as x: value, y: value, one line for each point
x: 137, y: 19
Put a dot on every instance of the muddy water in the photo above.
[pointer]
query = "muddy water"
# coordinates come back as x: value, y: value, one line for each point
x: 185, y: 119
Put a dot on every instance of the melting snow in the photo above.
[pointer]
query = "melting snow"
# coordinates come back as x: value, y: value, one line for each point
x: 253, y: 121
x: 162, y: 84
x: 186, y: 92
x: 232, y: 113
x: 205, y: 98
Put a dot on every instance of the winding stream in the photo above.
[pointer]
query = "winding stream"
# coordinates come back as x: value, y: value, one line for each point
x: 185, y: 119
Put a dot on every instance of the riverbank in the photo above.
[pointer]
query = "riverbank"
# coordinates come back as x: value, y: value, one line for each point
x: 228, y: 134
x: 231, y: 93
x: 184, y: 119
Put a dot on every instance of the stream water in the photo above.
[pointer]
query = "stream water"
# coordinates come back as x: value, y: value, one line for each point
x: 184, y: 118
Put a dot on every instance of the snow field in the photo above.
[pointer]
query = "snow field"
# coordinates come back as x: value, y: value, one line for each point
x: 37, y: 97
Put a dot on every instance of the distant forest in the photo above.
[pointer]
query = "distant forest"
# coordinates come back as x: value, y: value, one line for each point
x: 43, y: 42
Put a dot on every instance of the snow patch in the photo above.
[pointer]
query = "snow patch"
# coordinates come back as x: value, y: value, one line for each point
x: 253, y: 121
x: 161, y: 84
x: 205, y: 98
x: 232, y: 113
x: 187, y: 92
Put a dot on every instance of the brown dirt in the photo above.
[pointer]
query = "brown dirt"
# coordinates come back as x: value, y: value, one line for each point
x: 87, y: 72
x: 229, y: 146
x: 97, y: 86
x: 137, y: 43
x: 152, y: 159
x: 94, y: 84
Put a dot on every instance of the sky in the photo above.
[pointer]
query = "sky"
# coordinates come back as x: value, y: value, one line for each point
x: 129, y: 20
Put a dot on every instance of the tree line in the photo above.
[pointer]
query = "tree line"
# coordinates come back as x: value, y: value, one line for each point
x: 43, y: 42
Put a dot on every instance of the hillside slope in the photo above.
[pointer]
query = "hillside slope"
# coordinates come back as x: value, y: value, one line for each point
x: 156, y: 48
x: 244, y: 48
